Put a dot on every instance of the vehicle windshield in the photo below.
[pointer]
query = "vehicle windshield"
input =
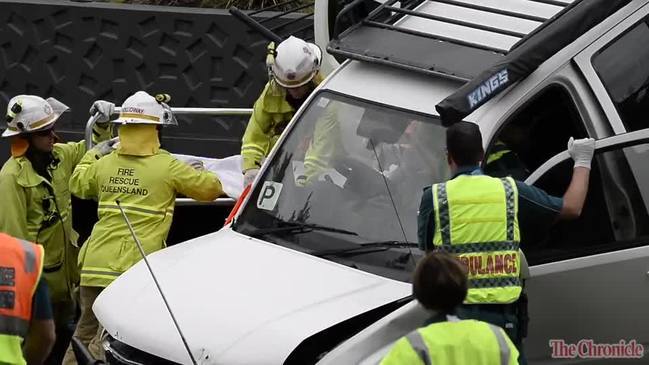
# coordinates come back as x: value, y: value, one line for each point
x: 346, y: 185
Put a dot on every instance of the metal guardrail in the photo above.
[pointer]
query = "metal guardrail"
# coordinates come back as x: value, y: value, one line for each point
x: 182, y: 111
x: 177, y: 111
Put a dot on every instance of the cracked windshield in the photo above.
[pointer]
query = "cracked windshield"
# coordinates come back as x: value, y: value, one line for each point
x: 346, y: 185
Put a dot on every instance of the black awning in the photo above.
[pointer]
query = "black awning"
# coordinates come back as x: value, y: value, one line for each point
x: 413, y: 52
x: 527, y: 55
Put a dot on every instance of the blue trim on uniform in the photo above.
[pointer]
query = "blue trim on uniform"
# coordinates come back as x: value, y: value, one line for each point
x: 41, y: 307
x: 534, y: 206
x: 531, y: 195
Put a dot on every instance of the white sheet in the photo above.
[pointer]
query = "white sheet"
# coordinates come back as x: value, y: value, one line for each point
x: 227, y: 169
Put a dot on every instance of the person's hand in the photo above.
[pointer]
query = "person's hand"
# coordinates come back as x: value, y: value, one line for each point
x: 249, y: 176
x: 106, y: 147
x: 390, y: 171
x: 581, y: 151
x: 105, y: 110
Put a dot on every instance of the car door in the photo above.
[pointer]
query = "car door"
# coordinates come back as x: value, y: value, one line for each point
x: 590, y: 277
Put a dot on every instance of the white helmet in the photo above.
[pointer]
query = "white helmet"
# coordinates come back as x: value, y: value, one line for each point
x: 31, y: 113
x: 296, y: 62
x: 142, y: 108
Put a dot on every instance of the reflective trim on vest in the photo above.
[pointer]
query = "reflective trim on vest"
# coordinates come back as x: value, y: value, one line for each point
x: 99, y: 272
x: 444, y: 215
x: 251, y: 148
x: 30, y: 256
x: 137, y: 210
x: 505, y: 352
x: 511, y: 210
x: 13, y: 326
x: 497, y: 156
x: 316, y: 162
x: 497, y: 152
x: 494, y: 282
x: 417, y: 342
x: 33, y: 230
x: 479, y: 247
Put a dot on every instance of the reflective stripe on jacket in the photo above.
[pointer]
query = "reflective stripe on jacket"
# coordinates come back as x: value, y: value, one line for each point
x: 40, y: 211
x: 146, y: 187
x: 498, y: 151
x: 454, y: 342
x: 271, y: 114
x: 476, y: 218
x: 21, y: 265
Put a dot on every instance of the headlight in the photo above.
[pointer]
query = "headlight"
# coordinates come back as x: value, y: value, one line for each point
x: 119, y: 353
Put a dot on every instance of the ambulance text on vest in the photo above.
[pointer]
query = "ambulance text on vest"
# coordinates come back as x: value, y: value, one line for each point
x: 492, y: 264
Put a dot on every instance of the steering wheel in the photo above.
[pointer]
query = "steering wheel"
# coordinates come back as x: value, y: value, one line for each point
x: 361, y: 178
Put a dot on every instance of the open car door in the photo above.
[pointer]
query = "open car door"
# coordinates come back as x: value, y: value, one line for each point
x: 590, y: 277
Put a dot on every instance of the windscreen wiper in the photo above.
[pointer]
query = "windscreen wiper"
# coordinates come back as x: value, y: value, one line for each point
x: 366, y: 247
x: 294, y: 227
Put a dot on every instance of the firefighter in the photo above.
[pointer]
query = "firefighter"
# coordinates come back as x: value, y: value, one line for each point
x: 477, y: 218
x: 145, y: 180
x: 36, y: 204
x: 440, y: 285
x: 504, y: 162
x: 26, y: 326
x: 295, y: 72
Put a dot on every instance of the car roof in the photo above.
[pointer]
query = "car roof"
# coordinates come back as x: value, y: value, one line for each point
x: 391, y: 86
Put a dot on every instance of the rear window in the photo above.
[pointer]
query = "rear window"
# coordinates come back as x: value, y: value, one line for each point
x: 622, y: 67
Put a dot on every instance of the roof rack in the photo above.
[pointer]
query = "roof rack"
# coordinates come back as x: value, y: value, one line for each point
x: 285, y: 26
x: 451, y: 38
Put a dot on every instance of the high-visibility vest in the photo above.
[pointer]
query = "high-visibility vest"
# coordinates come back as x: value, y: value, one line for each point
x: 476, y: 219
x: 467, y: 342
x: 21, y: 265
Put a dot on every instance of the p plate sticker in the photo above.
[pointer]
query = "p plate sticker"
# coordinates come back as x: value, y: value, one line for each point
x: 269, y: 195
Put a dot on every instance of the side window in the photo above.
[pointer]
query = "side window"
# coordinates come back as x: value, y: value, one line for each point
x: 622, y: 67
x: 614, y: 216
x: 538, y: 131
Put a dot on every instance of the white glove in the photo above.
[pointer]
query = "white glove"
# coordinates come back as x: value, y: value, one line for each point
x: 106, y: 147
x: 581, y: 151
x: 390, y: 171
x: 105, y: 110
x: 249, y: 176
x: 195, y: 163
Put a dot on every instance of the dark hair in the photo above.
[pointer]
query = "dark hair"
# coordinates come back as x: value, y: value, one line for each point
x: 464, y: 143
x: 440, y: 282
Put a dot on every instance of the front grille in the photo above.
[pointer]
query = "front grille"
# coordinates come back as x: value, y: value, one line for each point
x: 119, y: 353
